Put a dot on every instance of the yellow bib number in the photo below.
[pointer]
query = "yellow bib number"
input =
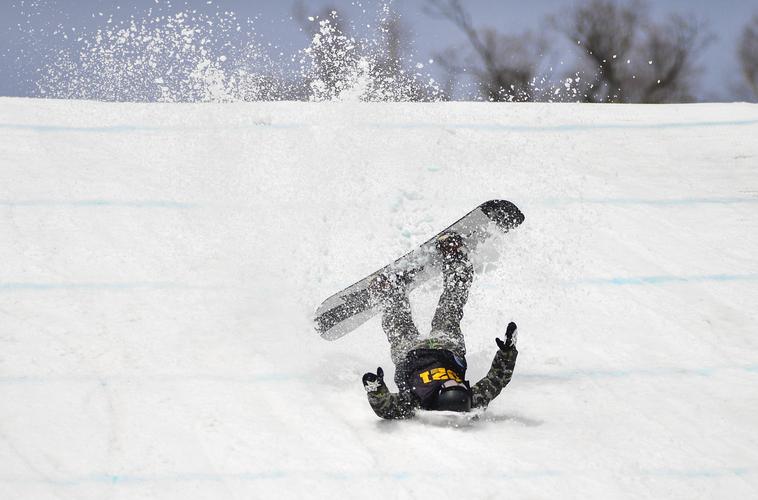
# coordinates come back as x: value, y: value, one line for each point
x: 439, y: 374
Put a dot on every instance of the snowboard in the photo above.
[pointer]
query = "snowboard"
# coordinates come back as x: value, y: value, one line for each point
x: 348, y: 309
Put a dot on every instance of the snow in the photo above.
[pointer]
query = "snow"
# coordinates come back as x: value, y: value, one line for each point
x: 161, y: 262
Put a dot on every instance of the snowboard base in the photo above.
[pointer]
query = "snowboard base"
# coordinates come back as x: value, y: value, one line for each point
x: 346, y: 310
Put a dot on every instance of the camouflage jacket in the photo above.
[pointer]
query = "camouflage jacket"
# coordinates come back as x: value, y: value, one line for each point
x: 404, y: 404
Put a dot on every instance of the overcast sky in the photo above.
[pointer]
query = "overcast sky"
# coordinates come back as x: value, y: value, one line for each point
x: 273, y: 23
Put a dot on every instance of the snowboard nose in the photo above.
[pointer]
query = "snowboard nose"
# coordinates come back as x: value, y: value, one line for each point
x: 503, y: 213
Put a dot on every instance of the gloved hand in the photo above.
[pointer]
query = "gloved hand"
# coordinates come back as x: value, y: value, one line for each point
x: 374, y: 382
x: 510, y: 339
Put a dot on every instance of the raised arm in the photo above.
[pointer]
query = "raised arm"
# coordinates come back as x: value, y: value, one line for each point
x: 500, y: 373
x: 385, y: 403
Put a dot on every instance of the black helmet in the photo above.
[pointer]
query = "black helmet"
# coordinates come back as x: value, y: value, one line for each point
x: 453, y: 398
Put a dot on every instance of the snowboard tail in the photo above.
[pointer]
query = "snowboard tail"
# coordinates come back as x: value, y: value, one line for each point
x: 346, y: 310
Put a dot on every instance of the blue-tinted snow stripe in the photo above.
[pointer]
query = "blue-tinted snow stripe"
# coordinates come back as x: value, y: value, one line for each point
x: 672, y: 202
x: 279, y: 377
x: 337, y: 475
x: 99, y: 203
x: 549, y: 202
x: 620, y: 373
x: 153, y: 379
x: 484, y: 127
x: 113, y: 129
x: 137, y: 285
x: 128, y: 129
x: 698, y: 473
x: 577, y: 127
x: 666, y: 279
x: 127, y: 479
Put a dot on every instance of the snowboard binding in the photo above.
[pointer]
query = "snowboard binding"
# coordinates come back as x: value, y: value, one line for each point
x: 387, y: 285
x: 450, y: 246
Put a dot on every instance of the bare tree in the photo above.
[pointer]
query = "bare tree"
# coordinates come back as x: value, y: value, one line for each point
x: 605, y: 31
x: 503, y: 66
x: 748, y: 54
x: 670, y: 73
x: 630, y: 58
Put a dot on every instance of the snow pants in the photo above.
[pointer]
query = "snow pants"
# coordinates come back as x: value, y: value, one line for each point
x: 397, y: 321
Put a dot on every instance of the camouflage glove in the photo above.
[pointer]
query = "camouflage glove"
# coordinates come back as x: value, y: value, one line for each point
x: 374, y: 383
x: 510, y: 339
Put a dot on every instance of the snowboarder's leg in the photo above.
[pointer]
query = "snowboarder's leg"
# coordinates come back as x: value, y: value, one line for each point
x: 402, y: 334
x: 397, y: 321
x: 457, y: 275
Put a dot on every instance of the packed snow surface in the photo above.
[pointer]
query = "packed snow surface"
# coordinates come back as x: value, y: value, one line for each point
x: 159, y: 266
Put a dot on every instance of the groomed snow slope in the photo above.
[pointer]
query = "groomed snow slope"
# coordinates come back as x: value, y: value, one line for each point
x: 159, y: 265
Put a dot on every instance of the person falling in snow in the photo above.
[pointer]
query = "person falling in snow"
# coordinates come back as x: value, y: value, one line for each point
x: 430, y: 373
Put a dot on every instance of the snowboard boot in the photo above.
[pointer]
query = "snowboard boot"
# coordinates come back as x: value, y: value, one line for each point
x: 451, y: 247
x: 386, y: 286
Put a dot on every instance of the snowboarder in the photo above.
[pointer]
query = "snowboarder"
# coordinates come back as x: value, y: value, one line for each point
x: 430, y: 373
